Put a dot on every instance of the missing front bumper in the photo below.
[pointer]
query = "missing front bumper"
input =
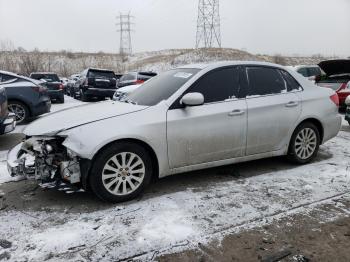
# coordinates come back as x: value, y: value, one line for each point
x: 27, y: 165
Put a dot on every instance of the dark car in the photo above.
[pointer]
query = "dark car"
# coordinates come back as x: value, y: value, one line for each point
x: 337, y: 78
x: 27, y: 97
x: 7, y: 121
x: 98, y: 83
x: 53, y: 84
x: 135, y: 78
x: 70, y: 85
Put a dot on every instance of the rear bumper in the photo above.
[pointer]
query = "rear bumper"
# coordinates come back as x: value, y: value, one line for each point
x: 41, y: 108
x: 331, y: 126
x: 8, y: 125
x: 100, y: 92
x: 55, y: 94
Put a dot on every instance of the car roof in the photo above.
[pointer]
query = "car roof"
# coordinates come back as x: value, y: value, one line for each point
x: 43, y: 73
x: 230, y: 63
x: 19, y: 76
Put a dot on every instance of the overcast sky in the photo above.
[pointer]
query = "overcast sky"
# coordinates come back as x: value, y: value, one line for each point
x: 302, y: 27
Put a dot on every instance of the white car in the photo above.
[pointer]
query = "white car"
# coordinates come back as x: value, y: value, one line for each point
x: 123, y: 92
x: 308, y: 71
x: 186, y: 119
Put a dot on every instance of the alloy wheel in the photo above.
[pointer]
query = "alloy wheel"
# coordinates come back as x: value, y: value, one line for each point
x: 123, y: 173
x: 19, y: 112
x: 305, y: 143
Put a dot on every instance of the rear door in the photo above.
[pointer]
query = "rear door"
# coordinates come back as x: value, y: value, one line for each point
x: 213, y: 131
x: 273, y: 108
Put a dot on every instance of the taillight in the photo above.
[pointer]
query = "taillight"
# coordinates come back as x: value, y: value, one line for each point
x: 139, y: 81
x: 335, y: 99
x: 61, y: 87
x: 86, y: 82
x: 39, y: 89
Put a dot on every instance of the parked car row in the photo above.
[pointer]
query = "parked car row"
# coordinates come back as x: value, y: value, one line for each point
x: 333, y: 74
x: 101, y: 84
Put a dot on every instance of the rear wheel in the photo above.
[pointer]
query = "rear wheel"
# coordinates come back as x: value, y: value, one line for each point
x: 121, y: 172
x: 83, y: 96
x: 61, y: 100
x: 304, y: 144
x: 20, y: 110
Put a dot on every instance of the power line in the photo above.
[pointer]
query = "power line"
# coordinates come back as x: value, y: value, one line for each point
x: 208, y: 24
x: 124, y: 27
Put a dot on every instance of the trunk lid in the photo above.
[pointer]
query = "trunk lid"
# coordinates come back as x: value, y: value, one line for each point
x: 335, y: 67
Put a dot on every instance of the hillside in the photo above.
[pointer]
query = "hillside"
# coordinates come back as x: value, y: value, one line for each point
x: 67, y: 63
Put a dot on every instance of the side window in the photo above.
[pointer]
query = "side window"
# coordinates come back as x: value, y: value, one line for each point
x: 5, y: 78
x: 292, y: 84
x: 314, y: 71
x: 303, y: 71
x: 218, y: 85
x: 265, y: 81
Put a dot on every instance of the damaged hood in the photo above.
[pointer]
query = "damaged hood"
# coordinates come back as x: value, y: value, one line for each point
x: 54, y: 123
x: 335, y: 67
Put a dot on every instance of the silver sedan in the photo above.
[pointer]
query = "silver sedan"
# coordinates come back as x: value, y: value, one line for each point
x: 185, y: 119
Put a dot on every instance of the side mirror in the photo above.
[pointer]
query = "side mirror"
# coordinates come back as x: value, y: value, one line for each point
x: 192, y: 99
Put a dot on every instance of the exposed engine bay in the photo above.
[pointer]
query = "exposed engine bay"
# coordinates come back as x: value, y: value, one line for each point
x: 44, y: 159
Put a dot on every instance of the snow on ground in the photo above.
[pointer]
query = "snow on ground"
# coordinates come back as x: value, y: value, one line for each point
x: 179, y: 218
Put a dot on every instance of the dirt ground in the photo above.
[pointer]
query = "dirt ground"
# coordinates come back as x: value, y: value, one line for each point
x: 299, y: 238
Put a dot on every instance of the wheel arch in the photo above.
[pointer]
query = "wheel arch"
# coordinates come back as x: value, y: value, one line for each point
x: 146, y: 146
x: 317, y: 123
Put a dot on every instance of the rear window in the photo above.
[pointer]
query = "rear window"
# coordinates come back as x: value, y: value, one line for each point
x: 314, y: 71
x: 128, y: 77
x: 46, y: 77
x: 146, y: 75
x: 101, y: 74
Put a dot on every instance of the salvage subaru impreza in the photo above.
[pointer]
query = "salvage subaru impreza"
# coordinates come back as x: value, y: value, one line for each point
x: 185, y: 119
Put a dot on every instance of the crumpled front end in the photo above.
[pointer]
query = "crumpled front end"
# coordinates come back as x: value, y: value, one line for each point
x: 44, y: 159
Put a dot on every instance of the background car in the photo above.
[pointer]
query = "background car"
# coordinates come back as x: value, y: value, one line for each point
x: 135, y: 78
x: 27, y: 97
x: 70, y: 85
x: 308, y: 71
x: 52, y: 82
x: 123, y: 92
x: 97, y: 83
x: 337, y: 78
x: 7, y: 121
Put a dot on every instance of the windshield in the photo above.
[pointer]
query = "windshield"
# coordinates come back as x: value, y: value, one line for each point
x: 101, y: 74
x: 161, y: 87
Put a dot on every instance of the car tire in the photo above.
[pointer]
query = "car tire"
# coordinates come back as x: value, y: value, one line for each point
x: 304, y: 143
x: 83, y: 96
x: 20, y: 110
x: 61, y: 100
x: 121, y: 172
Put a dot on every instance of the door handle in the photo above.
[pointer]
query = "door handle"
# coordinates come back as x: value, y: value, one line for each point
x: 292, y: 104
x: 236, y: 113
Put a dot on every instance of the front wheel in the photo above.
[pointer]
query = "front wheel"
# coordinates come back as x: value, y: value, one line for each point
x: 304, y: 144
x: 121, y: 172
